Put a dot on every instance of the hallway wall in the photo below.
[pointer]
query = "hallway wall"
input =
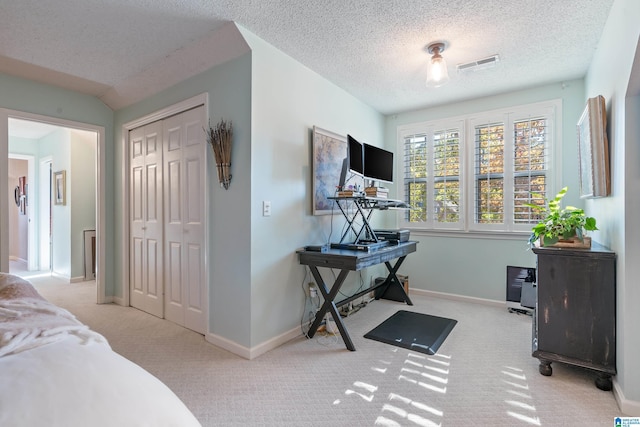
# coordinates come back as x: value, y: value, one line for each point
x: 18, y: 223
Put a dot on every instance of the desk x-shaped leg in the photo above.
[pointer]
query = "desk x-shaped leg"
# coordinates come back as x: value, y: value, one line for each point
x: 330, y: 306
x: 392, y: 280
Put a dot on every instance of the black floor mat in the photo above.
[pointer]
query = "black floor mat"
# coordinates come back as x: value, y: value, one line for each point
x: 415, y: 331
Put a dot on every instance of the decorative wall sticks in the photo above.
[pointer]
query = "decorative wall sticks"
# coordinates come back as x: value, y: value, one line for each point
x: 220, y: 139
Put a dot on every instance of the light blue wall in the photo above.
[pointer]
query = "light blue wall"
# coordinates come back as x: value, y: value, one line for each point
x: 75, y: 152
x: 82, y: 195
x: 23, y: 146
x: 33, y: 97
x: 229, y: 89
x: 609, y: 75
x: 476, y: 267
x: 273, y: 102
x: 288, y: 99
x: 56, y: 145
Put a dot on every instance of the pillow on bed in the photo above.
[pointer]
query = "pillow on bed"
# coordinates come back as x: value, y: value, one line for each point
x: 13, y: 287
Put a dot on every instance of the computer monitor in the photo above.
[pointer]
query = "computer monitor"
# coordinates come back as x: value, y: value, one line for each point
x: 353, y: 162
x: 343, y: 173
x: 355, y: 155
x: 378, y: 164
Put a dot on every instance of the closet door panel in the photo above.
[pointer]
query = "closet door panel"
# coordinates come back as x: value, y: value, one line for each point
x: 194, y: 261
x: 173, y: 138
x: 174, y: 202
x: 174, y: 277
x: 184, y: 155
x: 167, y: 205
x: 146, y: 219
x: 137, y: 287
x: 154, y: 288
x: 194, y: 159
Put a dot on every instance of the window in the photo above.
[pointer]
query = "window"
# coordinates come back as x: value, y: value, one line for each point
x: 432, y: 168
x: 478, y: 173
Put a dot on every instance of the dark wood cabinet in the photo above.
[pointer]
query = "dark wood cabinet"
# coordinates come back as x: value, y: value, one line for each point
x: 574, y: 320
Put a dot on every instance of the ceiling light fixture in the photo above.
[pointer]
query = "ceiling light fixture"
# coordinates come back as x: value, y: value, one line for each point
x: 437, y: 73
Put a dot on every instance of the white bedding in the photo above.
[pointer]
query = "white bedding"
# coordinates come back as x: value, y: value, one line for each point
x: 27, y: 323
x: 76, y: 380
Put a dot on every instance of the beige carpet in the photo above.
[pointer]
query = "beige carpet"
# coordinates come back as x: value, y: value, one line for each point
x: 483, y: 375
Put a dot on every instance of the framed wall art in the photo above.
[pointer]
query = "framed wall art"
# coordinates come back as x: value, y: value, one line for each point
x: 60, y: 188
x: 593, y: 150
x: 329, y: 150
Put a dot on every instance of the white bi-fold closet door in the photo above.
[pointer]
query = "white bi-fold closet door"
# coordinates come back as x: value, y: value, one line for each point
x: 167, y: 228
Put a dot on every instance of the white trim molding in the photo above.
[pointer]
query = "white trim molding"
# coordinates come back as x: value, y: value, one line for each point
x: 253, y: 352
x: 5, y: 114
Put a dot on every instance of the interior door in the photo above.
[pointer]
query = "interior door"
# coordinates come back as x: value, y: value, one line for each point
x: 184, y: 172
x: 146, y: 221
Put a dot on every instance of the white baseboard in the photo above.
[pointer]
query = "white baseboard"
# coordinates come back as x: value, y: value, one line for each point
x: 629, y: 408
x: 77, y: 279
x: 17, y: 259
x: 61, y: 276
x: 275, y: 342
x: 253, y: 352
x: 456, y: 297
x: 228, y: 345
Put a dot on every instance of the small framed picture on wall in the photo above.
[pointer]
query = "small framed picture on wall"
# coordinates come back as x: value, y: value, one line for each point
x: 60, y: 188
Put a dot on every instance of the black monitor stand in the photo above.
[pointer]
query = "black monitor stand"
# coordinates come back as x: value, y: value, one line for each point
x: 366, y: 239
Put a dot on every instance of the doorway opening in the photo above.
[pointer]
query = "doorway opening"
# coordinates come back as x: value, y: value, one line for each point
x: 55, y: 244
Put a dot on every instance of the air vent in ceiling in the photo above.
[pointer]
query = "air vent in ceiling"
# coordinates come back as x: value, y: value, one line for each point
x: 480, y: 64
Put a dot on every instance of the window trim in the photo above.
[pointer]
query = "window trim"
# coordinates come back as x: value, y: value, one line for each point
x: 551, y: 109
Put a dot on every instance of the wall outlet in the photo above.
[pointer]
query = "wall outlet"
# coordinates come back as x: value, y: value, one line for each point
x: 313, y: 291
x: 266, y: 208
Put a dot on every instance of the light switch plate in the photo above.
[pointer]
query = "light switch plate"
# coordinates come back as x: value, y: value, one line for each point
x: 266, y: 208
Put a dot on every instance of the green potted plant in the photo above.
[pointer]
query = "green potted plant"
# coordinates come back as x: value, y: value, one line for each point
x: 559, y: 224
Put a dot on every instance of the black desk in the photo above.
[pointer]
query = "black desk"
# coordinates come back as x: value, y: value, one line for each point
x: 353, y: 260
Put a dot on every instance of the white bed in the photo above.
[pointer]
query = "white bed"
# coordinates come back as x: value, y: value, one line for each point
x: 55, y: 371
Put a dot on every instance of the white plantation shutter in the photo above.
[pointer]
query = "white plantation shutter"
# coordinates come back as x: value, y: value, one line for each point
x: 415, y: 176
x: 489, y: 174
x: 510, y: 155
x: 531, y: 139
x: 432, y: 166
x: 511, y: 167
x: 447, y: 152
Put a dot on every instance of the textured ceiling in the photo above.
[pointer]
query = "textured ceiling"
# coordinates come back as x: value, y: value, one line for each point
x: 375, y: 50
